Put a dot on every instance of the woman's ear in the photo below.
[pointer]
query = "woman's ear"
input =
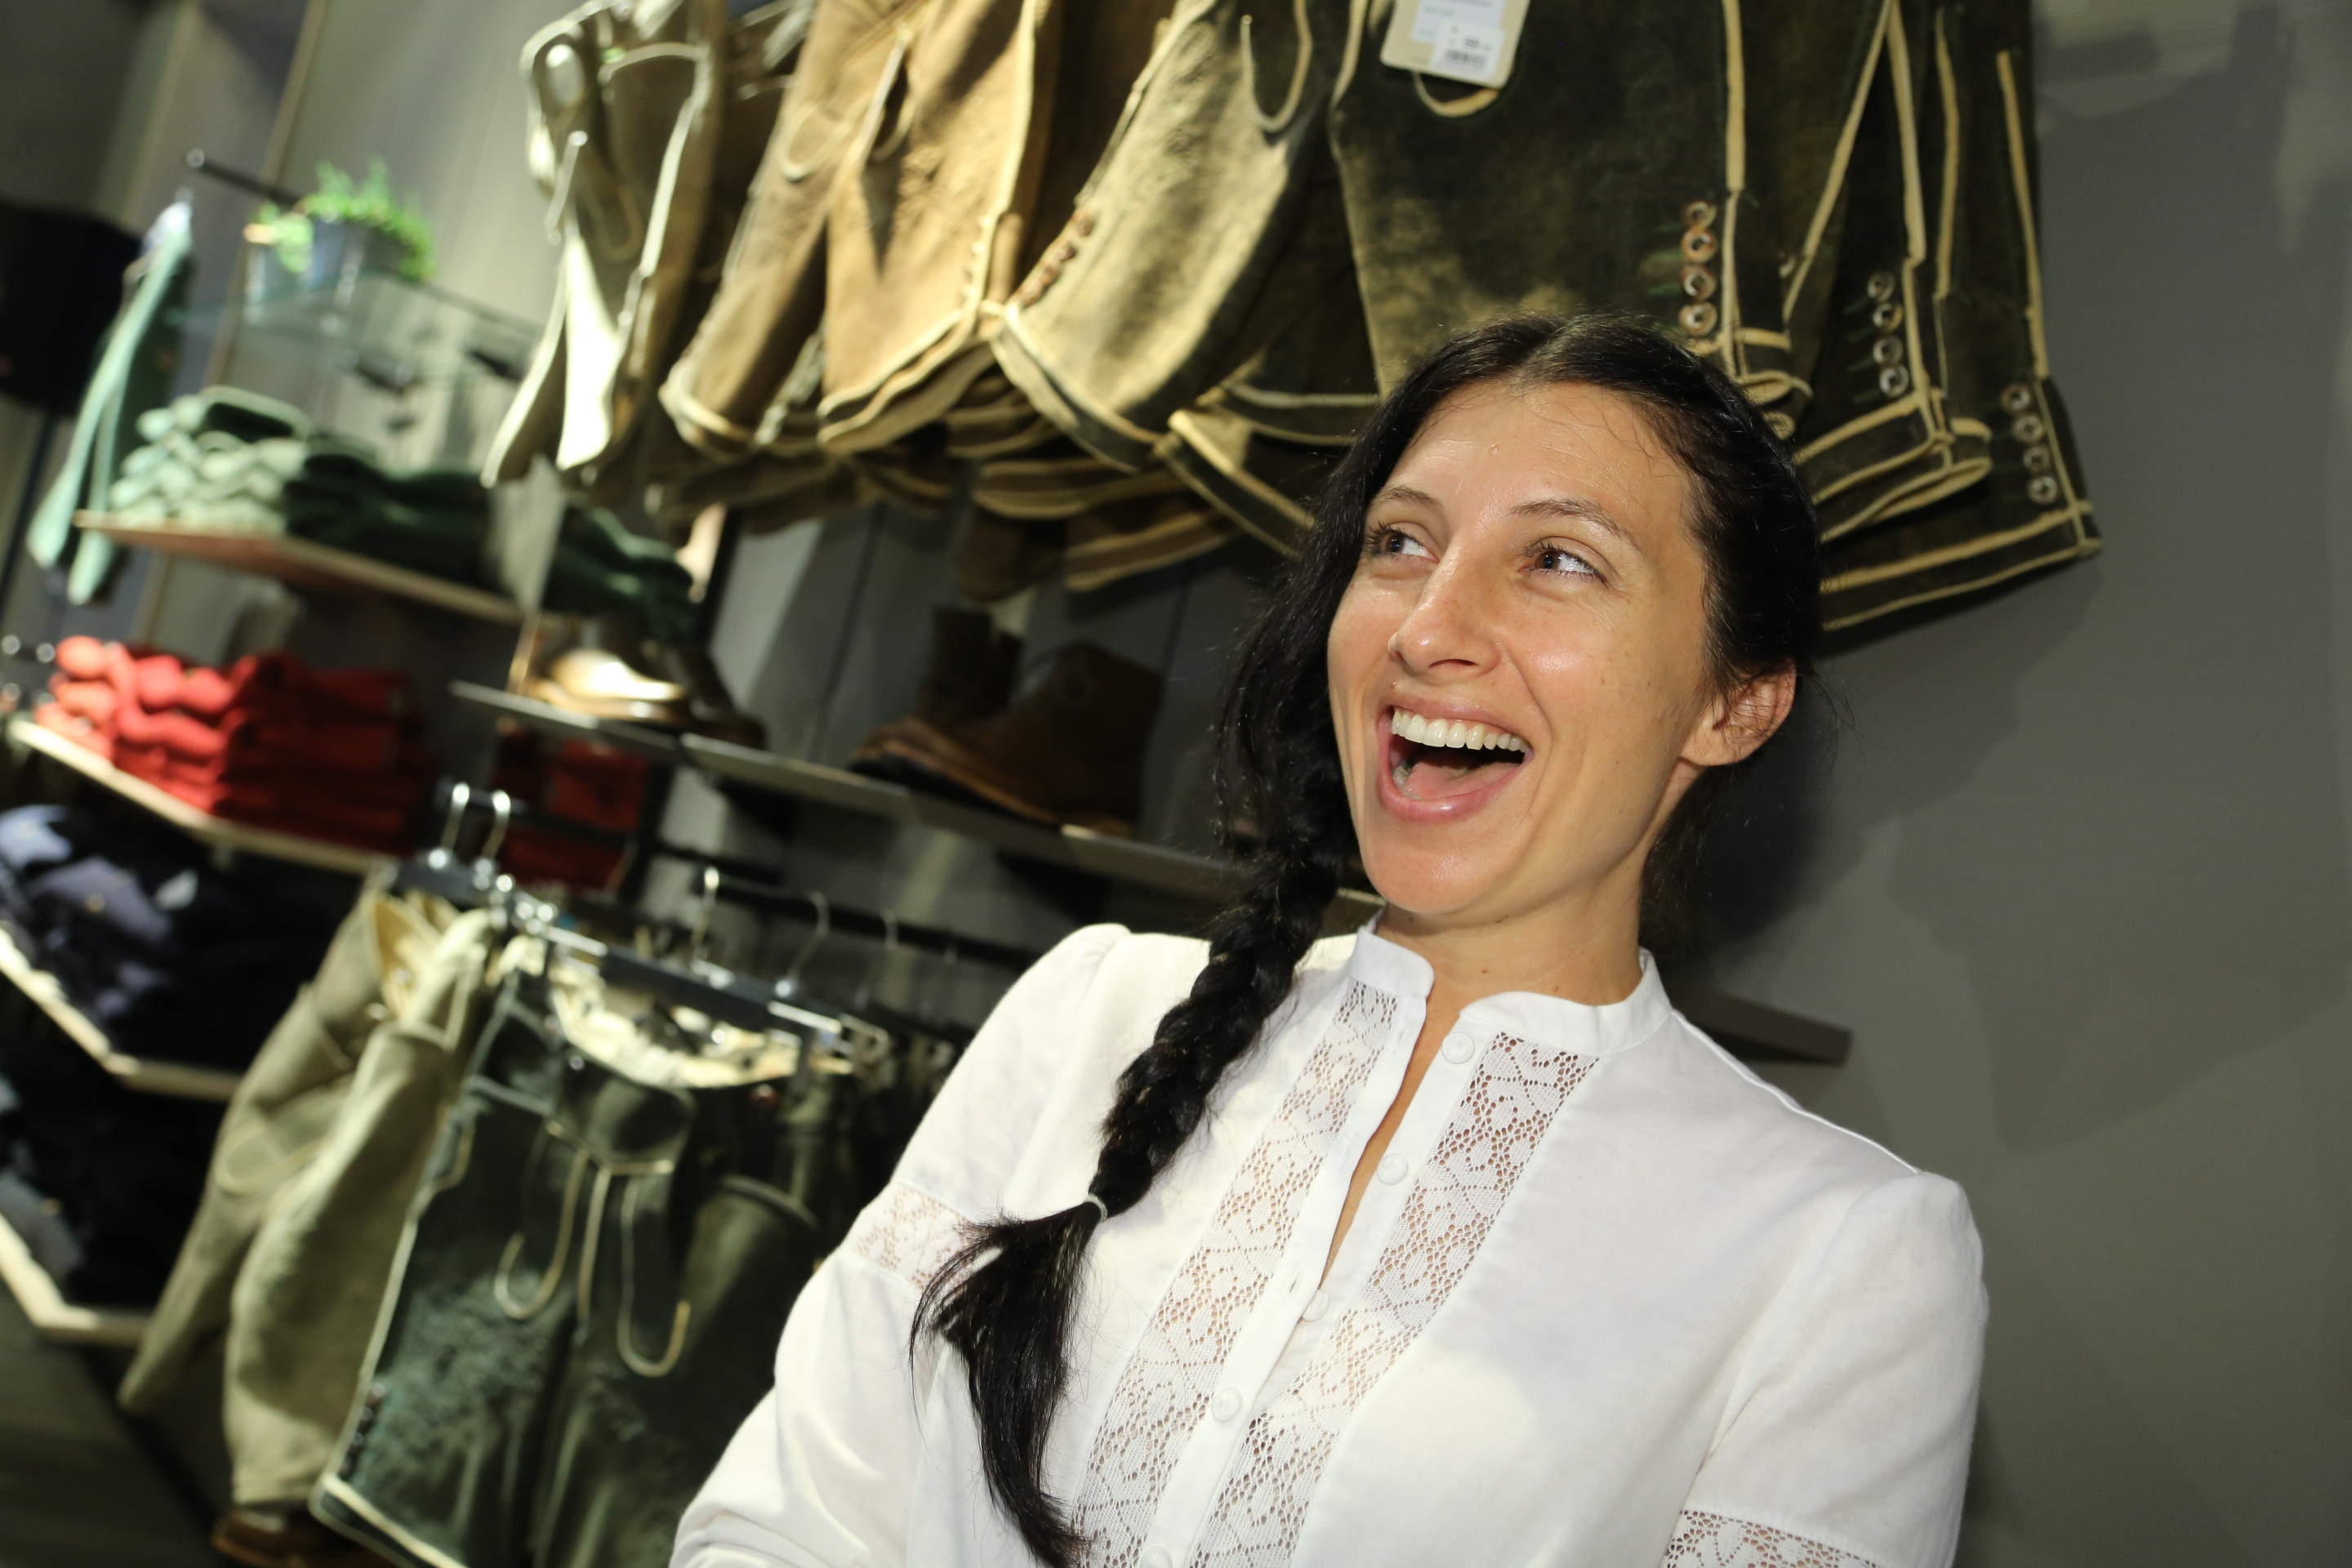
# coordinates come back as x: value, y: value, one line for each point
x: 1734, y: 722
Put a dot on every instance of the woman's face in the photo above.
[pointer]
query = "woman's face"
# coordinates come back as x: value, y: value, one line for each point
x: 1518, y: 668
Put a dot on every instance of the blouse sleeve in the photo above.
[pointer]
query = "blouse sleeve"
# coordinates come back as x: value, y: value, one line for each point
x: 820, y: 1473
x: 1846, y: 1444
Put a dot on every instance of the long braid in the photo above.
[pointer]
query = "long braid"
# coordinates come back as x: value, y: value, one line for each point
x: 1009, y: 1313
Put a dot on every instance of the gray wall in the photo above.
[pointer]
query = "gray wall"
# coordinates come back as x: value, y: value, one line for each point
x: 2079, y: 879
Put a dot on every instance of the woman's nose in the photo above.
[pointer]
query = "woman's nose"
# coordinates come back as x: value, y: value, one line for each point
x: 1448, y: 629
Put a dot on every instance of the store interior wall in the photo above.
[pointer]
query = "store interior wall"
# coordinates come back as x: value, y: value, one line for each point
x: 2077, y: 878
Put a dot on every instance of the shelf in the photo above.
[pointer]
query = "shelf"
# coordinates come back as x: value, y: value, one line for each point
x: 1752, y: 1029
x: 387, y: 329
x: 148, y: 1076
x: 53, y: 1316
x: 1744, y: 1027
x: 1104, y: 854
x: 303, y: 563
x: 240, y: 838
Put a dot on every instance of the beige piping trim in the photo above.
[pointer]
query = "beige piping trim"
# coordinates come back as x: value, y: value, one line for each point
x: 657, y: 1366
x: 2023, y: 188
x: 2083, y: 550
x: 1839, y: 159
x: 552, y: 1281
x: 1909, y: 403
x: 1279, y: 120
x: 1359, y: 21
x: 1735, y: 180
x: 335, y: 1487
x: 1862, y: 576
x: 1061, y: 386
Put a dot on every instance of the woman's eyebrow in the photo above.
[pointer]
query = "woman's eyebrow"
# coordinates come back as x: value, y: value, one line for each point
x: 1577, y: 506
x: 1409, y: 495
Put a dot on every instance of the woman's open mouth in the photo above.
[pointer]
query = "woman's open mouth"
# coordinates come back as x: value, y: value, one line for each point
x: 1432, y: 759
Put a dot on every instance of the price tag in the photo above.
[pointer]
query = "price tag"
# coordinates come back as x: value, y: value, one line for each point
x: 1471, y: 41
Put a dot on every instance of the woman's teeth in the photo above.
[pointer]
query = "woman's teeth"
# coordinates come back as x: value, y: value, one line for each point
x: 1452, y: 732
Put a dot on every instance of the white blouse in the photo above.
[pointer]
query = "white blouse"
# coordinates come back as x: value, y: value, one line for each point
x: 1611, y: 1300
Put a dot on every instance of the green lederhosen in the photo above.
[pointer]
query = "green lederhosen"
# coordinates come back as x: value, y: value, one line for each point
x: 595, y: 1275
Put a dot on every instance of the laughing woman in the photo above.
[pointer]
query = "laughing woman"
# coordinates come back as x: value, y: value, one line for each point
x: 1449, y: 1242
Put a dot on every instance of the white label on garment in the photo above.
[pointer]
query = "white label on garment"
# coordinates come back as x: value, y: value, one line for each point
x: 1462, y: 40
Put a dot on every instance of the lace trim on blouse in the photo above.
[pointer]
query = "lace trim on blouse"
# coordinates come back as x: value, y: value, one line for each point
x: 1165, y: 1388
x: 1504, y: 1113
x: 907, y: 1232
x: 1712, y: 1541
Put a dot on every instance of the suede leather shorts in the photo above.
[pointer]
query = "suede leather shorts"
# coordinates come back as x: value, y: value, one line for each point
x: 596, y: 1271
x: 925, y: 150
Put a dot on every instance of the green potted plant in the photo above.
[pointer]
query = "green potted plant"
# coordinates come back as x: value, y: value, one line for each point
x: 344, y: 228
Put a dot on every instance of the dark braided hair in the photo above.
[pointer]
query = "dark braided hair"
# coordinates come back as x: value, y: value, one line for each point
x: 1005, y: 1301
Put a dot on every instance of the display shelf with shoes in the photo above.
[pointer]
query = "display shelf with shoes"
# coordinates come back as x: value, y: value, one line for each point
x: 236, y: 837
x: 143, y: 1073
x: 303, y: 563
x: 53, y: 1316
x: 1104, y: 854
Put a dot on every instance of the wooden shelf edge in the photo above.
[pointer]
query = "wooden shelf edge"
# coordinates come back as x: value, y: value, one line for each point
x: 52, y: 1315
x: 1744, y: 1027
x: 304, y: 563
x: 1755, y: 1029
x: 199, y: 825
x: 178, y: 1080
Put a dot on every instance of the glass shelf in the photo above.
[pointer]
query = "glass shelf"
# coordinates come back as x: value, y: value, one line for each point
x: 390, y: 332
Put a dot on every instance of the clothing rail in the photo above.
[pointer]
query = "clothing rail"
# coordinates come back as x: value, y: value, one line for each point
x: 748, y: 883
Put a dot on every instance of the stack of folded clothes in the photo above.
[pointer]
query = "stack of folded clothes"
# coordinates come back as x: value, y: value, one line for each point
x: 228, y: 459
x: 169, y: 957
x: 600, y: 567
x: 331, y: 754
x: 100, y: 1183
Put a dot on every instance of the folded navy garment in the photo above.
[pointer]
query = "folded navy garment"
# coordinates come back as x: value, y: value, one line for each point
x: 99, y: 1182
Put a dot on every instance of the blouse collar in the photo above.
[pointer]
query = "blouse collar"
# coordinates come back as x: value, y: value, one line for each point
x: 1586, y: 1030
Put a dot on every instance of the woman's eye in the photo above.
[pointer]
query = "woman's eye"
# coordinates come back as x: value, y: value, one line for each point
x: 1552, y: 558
x: 1396, y: 542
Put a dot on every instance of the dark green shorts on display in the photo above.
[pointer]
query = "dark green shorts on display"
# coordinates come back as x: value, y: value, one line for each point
x: 595, y: 1276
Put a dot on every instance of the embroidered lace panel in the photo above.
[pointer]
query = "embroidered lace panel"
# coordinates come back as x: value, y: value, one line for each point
x: 1504, y: 1113
x: 907, y: 1232
x: 1164, y: 1389
x: 1711, y: 1541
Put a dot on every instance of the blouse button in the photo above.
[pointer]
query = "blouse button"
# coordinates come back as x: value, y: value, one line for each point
x: 1391, y: 1169
x: 1157, y: 1558
x: 1458, y: 1049
x: 1226, y: 1404
x: 1317, y: 1305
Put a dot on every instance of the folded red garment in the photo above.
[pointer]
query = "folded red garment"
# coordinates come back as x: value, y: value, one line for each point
x: 337, y: 820
x: 266, y: 741
x: 301, y: 788
x: 86, y: 658
x: 93, y: 700
x: 273, y: 682
x: 81, y: 732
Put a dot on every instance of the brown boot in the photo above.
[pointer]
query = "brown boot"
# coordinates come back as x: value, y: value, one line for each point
x: 1069, y: 751
x: 969, y: 676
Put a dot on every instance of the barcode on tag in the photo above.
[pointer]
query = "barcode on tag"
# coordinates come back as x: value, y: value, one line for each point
x: 1468, y: 52
x: 1462, y: 40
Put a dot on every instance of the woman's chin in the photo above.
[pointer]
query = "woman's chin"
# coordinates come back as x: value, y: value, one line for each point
x: 1429, y: 887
